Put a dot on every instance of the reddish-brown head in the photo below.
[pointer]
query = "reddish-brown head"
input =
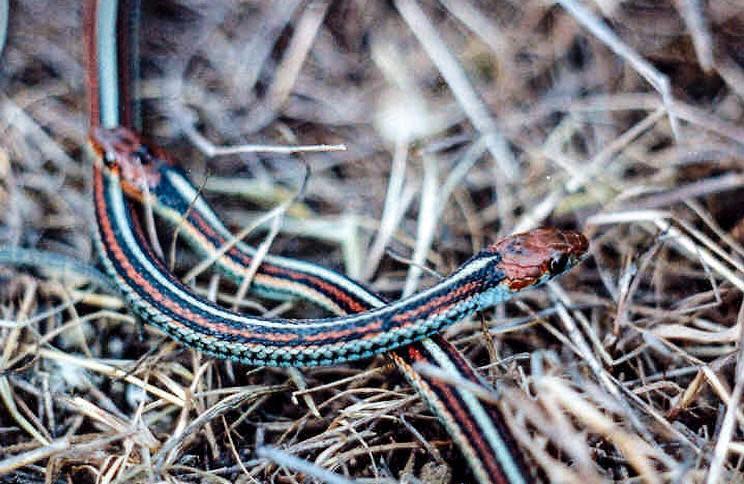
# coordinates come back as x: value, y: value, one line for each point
x: 540, y: 254
x: 123, y: 151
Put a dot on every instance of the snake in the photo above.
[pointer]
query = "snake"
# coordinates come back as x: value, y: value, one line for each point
x: 492, y: 276
x: 124, y: 165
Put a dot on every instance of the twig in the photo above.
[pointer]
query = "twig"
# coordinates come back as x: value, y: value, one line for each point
x: 461, y: 87
x: 211, y: 150
x: 692, y: 14
x: 276, y: 213
x: 727, y: 427
x: 292, y: 462
x: 55, y: 447
x: 659, y: 81
x: 112, y: 372
x: 225, y: 405
x: 397, y: 199
x: 426, y: 226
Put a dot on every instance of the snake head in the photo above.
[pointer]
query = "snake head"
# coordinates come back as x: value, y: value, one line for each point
x: 534, y: 257
x: 123, y: 151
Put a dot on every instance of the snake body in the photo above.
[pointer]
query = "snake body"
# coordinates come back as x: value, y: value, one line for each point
x: 490, y: 277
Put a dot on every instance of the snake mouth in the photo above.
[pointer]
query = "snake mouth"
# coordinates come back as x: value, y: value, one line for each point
x: 576, y: 243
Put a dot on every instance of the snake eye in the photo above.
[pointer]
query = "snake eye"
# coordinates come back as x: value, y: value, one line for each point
x: 109, y: 159
x: 558, y: 264
x: 144, y: 155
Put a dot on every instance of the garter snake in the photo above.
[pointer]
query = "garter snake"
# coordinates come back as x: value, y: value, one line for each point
x: 490, y: 277
x: 120, y: 160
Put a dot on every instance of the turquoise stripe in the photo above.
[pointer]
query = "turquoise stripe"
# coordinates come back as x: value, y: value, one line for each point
x: 108, y: 82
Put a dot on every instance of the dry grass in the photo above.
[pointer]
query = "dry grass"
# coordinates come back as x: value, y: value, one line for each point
x: 464, y: 120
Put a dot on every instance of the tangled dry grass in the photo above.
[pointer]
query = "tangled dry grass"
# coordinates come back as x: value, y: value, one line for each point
x: 463, y: 121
